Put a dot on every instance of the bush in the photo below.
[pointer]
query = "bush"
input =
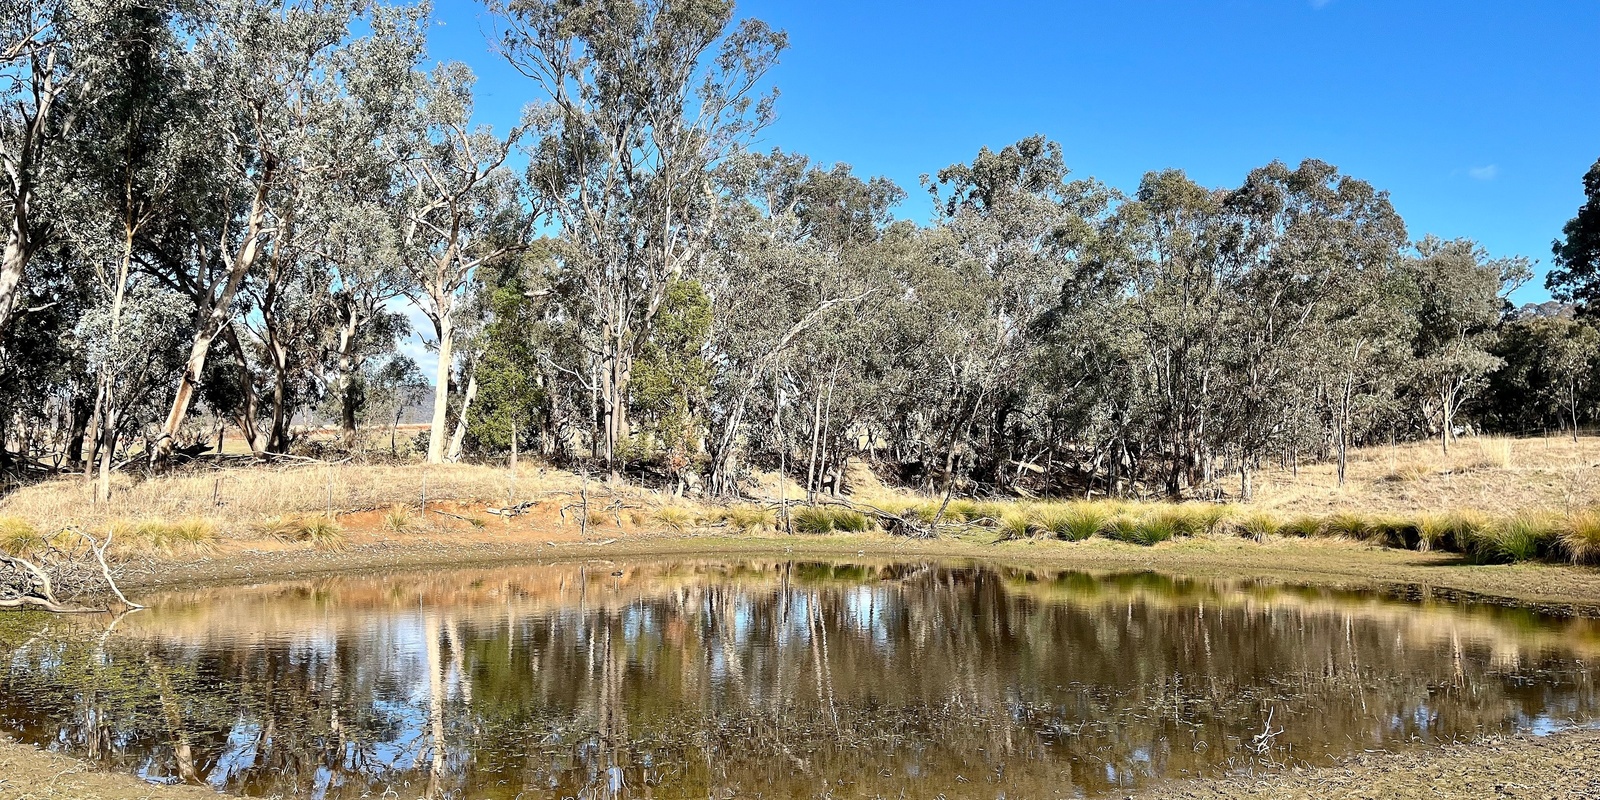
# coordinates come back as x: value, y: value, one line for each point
x: 1016, y: 525
x: 1303, y: 527
x: 850, y: 520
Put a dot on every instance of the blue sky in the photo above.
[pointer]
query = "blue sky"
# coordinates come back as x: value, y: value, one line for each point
x: 1479, y: 117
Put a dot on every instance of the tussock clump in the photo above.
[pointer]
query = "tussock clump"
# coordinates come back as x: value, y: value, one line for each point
x: 398, y: 519
x: 1348, y: 526
x: 675, y: 517
x: 1303, y: 527
x: 749, y: 519
x: 850, y: 520
x: 1258, y: 526
x: 1580, y: 537
x: 1121, y: 528
x: 191, y: 535
x: 1082, y: 520
x: 1448, y: 532
x: 1016, y: 525
x: 18, y: 537
x: 827, y: 519
x: 316, y: 530
x: 1520, y: 538
x: 812, y: 519
x: 1410, y: 472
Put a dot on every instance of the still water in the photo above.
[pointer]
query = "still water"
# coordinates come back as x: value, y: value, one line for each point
x: 772, y: 679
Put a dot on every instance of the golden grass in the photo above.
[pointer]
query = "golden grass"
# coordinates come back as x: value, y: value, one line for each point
x: 185, y: 536
x: 253, y: 494
x: 398, y: 519
x: 676, y: 518
x: 1580, y: 537
x: 18, y: 537
x: 748, y: 519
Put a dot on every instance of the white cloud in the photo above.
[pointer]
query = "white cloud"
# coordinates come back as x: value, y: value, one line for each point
x: 1485, y: 173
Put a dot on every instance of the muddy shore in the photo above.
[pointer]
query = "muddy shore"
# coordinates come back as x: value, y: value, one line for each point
x: 1560, y: 765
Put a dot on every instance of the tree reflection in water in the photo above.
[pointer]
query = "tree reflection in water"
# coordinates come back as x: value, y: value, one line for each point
x: 771, y: 679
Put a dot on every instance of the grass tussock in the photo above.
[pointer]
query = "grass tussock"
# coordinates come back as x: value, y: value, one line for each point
x: 829, y: 519
x: 748, y: 519
x: 1411, y: 471
x: 186, y: 536
x: 316, y: 530
x: 18, y: 537
x: 398, y: 519
x: 676, y: 518
x: 1580, y: 537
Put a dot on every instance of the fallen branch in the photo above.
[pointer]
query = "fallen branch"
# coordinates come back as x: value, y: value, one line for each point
x: 37, y: 579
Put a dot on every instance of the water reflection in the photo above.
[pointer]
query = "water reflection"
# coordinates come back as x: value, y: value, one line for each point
x: 771, y: 679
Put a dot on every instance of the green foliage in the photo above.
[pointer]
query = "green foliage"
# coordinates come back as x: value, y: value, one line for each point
x: 671, y: 375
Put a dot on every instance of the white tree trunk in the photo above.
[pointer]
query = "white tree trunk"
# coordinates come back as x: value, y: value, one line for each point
x: 441, y: 391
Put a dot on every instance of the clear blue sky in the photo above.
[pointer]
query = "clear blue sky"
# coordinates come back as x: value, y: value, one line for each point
x: 1478, y: 116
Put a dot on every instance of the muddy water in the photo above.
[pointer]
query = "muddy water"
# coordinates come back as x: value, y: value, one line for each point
x: 772, y: 679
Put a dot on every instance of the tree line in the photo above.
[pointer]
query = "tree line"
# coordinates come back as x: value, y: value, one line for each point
x: 218, y: 212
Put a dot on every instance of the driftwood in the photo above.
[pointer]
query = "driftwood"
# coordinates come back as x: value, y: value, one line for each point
x: 72, y: 563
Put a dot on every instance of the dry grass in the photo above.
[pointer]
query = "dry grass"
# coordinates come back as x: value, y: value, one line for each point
x: 252, y: 494
x: 398, y: 519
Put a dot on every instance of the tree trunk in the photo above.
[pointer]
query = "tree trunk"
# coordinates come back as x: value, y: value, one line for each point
x: 441, y: 390
x: 1247, y: 489
x: 454, y: 453
x: 346, y: 387
x: 217, y: 309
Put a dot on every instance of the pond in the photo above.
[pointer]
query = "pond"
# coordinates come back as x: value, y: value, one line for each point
x: 773, y: 678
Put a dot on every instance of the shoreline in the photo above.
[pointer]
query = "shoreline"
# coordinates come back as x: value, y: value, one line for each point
x: 1513, y: 765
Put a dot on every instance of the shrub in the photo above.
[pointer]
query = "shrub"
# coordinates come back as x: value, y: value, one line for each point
x: 1580, y: 536
x: 1449, y: 532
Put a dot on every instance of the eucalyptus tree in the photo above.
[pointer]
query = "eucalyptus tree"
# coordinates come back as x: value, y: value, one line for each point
x: 1300, y: 243
x: 461, y: 209
x: 37, y: 51
x: 1547, y: 372
x: 1576, y: 276
x: 793, y: 278
x: 1016, y: 223
x: 1460, y: 299
x: 1162, y: 249
x: 272, y: 74
x: 646, y: 99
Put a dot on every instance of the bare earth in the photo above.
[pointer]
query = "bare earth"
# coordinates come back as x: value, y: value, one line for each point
x: 1556, y: 766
